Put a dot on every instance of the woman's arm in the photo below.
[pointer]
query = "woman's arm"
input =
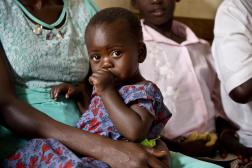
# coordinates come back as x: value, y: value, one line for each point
x: 28, y: 122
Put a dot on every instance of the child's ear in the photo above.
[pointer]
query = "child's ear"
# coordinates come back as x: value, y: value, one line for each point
x: 142, y: 52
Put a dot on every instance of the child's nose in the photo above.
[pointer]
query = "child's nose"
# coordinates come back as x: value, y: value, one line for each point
x: 107, y: 63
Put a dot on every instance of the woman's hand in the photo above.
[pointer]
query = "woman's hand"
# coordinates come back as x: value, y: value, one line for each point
x: 102, y: 79
x: 132, y: 155
x: 162, y: 153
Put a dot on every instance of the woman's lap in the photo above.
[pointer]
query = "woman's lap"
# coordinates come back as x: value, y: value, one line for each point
x: 51, y: 153
x: 182, y: 161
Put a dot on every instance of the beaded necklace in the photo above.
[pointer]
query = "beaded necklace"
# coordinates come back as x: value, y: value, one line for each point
x: 41, y: 24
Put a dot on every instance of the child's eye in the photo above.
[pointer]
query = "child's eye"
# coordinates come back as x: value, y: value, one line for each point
x: 95, y: 58
x: 116, y: 53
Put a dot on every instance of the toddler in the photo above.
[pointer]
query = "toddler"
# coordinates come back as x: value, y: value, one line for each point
x: 124, y: 106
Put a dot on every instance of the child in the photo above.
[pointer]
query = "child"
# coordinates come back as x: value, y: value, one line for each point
x: 182, y: 68
x: 232, y: 50
x: 124, y: 106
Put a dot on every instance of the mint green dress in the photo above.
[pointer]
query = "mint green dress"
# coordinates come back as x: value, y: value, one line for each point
x: 39, y: 61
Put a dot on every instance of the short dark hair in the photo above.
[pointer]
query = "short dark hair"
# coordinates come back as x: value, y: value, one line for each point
x: 112, y: 14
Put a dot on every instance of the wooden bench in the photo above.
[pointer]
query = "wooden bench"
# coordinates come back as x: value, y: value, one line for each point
x: 203, y: 28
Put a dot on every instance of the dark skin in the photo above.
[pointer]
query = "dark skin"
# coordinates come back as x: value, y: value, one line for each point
x: 34, y: 124
x: 47, y: 11
x: 158, y: 14
x: 229, y: 141
x: 241, y: 94
x: 114, y: 59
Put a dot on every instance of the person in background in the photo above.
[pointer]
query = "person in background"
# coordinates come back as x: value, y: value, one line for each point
x: 124, y: 106
x: 232, y: 51
x: 42, y: 45
x: 182, y: 67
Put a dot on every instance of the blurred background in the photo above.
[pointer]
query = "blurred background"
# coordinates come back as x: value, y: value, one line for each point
x: 185, y: 8
x: 197, y: 14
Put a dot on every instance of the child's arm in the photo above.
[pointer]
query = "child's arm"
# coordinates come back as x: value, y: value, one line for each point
x: 132, y: 122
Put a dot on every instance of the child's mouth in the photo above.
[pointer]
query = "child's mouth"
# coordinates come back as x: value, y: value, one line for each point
x: 157, y: 12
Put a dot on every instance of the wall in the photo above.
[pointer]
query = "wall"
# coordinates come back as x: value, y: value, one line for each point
x: 204, y: 9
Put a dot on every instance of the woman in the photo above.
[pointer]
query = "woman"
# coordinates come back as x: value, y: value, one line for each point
x: 42, y: 44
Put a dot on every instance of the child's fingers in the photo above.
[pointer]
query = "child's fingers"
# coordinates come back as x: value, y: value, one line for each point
x: 70, y: 93
x: 57, y: 90
x: 51, y: 93
x: 54, y: 93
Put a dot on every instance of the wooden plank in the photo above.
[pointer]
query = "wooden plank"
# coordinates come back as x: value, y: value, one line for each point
x: 203, y: 28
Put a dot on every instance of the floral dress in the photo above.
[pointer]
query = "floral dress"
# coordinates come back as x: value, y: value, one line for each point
x: 51, y: 153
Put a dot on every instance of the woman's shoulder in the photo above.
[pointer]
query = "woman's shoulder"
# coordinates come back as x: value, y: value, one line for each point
x: 80, y: 12
x: 89, y: 7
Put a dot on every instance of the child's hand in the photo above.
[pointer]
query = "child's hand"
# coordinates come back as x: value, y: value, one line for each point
x: 229, y: 140
x: 66, y: 89
x: 102, y: 80
x: 191, y: 147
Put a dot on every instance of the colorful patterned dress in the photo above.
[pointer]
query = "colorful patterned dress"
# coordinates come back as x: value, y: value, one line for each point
x: 51, y: 153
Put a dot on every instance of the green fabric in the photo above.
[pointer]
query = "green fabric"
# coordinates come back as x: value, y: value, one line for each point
x: 64, y: 111
x: 38, y: 61
x: 179, y: 160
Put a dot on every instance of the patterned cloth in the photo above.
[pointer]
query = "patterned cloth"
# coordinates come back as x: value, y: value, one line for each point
x: 51, y: 153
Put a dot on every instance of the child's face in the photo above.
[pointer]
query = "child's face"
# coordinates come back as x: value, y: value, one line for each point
x: 156, y: 12
x: 111, y: 46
